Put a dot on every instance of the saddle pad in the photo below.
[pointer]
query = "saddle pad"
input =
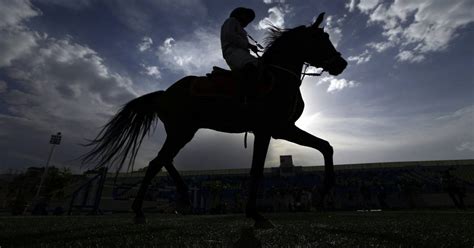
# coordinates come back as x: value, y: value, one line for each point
x: 222, y: 85
x: 215, y: 86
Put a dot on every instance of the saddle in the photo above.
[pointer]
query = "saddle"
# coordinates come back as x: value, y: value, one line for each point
x: 225, y: 83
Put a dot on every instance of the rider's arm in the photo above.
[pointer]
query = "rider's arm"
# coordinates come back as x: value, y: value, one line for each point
x: 233, y: 33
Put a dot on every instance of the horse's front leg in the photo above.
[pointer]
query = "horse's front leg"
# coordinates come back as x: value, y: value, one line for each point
x: 256, y: 175
x: 301, y: 137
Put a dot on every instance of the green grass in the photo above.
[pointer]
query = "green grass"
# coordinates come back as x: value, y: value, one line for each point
x: 330, y: 229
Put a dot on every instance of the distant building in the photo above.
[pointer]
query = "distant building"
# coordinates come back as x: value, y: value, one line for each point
x: 290, y: 187
x: 404, y: 184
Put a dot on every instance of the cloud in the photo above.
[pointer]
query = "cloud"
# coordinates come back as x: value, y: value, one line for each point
x: 337, y: 84
x: 145, y: 44
x: 351, y: 5
x: 380, y: 46
x: 57, y: 76
x: 361, y: 58
x: 55, y: 84
x: 16, y: 41
x: 15, y: 44
x: 276, y: 17
x: 273, y: 1
x: 467, y: 111
x: 333, y: 28
x: 410, y: 57
x: 418, y: 27
x: 144, y: 16
x: 152, y: 71
x: 366, y: 5
x: 12, y: 13
x: 195, y: 54
x: 466, y: 146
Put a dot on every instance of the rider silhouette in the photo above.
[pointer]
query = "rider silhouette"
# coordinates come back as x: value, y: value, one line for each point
x: 235, y: 47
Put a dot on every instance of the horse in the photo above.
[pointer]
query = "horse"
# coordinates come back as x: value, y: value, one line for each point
x: 272, y: 115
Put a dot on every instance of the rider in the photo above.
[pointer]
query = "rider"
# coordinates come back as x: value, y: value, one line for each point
x: 235, y: 46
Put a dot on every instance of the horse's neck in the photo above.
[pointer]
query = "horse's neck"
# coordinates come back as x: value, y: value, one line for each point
x: 290, y: 70
x: 289, y: 63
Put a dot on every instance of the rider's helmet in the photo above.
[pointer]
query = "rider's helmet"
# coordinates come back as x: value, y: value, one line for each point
x: 243, y: 15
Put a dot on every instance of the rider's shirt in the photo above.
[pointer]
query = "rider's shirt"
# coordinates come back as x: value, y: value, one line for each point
x: 235, y: 44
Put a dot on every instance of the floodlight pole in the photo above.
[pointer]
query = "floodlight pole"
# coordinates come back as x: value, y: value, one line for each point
x: 54, y: 141
x: 45, y: 171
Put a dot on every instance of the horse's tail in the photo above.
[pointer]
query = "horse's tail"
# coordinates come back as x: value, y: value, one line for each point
x: 122, y: 136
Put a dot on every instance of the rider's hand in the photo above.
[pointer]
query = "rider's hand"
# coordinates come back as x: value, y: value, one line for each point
x: 254, y: 48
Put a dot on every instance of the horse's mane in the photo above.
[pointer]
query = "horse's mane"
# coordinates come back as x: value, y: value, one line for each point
x: 276, y: 35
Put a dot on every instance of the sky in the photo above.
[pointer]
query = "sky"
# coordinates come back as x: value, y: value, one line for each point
x: 68, y: 66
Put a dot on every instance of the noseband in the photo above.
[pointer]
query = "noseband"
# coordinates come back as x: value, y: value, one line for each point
x: 326, y: 62
x: 331, y: 59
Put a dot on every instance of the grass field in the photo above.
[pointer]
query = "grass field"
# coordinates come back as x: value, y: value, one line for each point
x: 329, y: 229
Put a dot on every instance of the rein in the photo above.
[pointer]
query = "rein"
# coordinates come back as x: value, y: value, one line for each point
x: 302, y: 74
x: 315, y: 74
x: 305, y: 68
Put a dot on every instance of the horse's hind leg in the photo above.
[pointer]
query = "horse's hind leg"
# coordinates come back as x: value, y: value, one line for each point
x: 153, y: 168
x: 183, y: 203
x: 175, y: 141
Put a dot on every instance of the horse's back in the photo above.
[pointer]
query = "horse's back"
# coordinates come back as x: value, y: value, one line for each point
x: 224, y: 111
x: 182, y: 85
x: 182, y: 107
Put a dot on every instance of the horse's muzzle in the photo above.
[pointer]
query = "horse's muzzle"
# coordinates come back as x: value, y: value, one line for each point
x: 337, y: 67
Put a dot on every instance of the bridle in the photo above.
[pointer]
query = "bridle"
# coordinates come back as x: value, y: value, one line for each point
x: 306, y: 66
x: 326, y: 62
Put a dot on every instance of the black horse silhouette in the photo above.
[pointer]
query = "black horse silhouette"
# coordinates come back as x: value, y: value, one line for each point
x: 182, y: 113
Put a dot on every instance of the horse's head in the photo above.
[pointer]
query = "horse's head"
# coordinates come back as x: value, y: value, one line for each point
x: 320, y: 52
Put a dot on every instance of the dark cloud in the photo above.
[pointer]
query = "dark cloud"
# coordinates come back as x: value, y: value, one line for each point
x: 146, y: 15
x: 56, y: 85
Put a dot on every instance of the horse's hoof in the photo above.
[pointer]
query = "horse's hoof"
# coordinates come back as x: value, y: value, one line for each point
x: 247, y: 239
x: 139, y: 220
x: 183, y: 207
x: 183, y: 210
x: 263, y: 224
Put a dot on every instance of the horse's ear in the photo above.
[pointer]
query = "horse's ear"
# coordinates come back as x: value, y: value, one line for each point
x: 318, y: 21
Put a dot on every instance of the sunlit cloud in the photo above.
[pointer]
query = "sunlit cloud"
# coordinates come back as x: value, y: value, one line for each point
x: 337, y: 84
x: 145, y: 44
x: 361, y: 58
x: 152, y: 71
x: 466, y: 146
x: 276, y: 17
x: 417, y: 27
x: 333, y: 28
x: 186, y: 55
